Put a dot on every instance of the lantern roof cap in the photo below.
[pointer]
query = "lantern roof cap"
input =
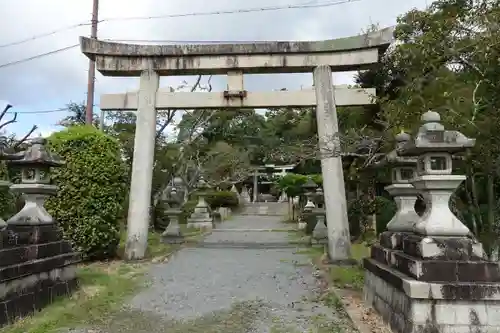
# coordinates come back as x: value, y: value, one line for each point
x: 38, y: 154
x: 433, y: 137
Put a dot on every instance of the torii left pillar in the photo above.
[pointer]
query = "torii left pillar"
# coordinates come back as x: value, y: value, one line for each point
x: 142, y: 167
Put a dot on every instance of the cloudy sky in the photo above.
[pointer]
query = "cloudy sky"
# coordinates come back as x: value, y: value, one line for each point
x: 50, y: 82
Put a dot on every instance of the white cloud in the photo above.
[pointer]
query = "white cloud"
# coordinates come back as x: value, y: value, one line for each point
x: 51, y: 82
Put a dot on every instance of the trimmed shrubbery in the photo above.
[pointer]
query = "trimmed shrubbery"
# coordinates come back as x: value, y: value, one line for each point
x: 219, y: 199
x: 93, y: 186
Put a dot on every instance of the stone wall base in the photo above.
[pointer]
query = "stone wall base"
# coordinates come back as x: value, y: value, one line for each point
x: 406, y: 314
x: 26, y: 295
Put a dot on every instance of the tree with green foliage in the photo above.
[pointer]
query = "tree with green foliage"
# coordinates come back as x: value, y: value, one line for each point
x: 447, y: 58
x: 93, y: 186
x: 77, y: 115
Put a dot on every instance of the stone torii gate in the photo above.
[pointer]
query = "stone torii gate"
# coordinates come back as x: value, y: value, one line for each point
x: 149, y: 62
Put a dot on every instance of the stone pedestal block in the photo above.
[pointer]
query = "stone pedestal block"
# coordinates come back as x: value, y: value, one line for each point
x: 36, y: 267
x: 200, y: 218
x: 173, y: 234
x: 413, y: 306
x: 422, y: 284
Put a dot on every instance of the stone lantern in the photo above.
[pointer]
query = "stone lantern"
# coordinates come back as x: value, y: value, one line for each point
x: 308, y: 217
x: 403, y: 171
x: 172, y: 233
x: 201, y: 216
x: 39, y: 265
x: 35, y: 183
x: 309, y: 188
x: 435, y: 279
x: 434, y: 147
x: 320, y: 232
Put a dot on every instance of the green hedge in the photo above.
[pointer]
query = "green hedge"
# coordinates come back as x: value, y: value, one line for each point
x: 93, y: 186
x: 8, y: 200
x: 385, y: 209
x: 187, y: 210
x: 222, y: 199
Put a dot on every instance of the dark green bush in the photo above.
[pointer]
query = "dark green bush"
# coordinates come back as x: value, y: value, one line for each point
x: 8, y: 201
x: 358, y: 211
x: 311, y: 220
x: 93, y: 186
x: 187, y: 210
x: 384, y: 209
x: 222, y: 199
x: 159, y: 216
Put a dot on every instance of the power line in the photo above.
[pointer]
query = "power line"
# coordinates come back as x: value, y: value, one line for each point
x: 38, y: 56
x: 234, y: 11
x: 45, y: 34
x: 305, y: 5
x: 177, y: 41
x: 40, y: 112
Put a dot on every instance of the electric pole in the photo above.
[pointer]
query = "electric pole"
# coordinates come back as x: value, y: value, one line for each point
x: 91, y: 76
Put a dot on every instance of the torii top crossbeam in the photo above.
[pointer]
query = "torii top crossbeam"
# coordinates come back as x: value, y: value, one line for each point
x: 343, y: 54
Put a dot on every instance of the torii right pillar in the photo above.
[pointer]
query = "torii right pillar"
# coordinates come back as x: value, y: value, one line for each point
x: 430, y: 275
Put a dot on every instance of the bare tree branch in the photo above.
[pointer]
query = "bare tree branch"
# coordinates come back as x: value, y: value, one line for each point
x: 24, y: 138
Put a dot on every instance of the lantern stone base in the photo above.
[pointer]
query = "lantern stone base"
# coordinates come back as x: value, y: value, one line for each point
x: 172, y: 239
x: 200, y: 224
x: 36, y: 267
x: 172, y: 234
x: 422, y: 284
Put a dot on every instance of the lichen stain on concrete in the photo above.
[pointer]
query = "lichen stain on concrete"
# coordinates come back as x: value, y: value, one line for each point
x: 232, y: 61
x: 475, y: 323
x: 468, y: 292
x: 380, y: 39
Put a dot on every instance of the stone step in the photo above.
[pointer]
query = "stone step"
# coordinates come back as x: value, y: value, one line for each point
x: 250, y: 245
x: 253, y: 230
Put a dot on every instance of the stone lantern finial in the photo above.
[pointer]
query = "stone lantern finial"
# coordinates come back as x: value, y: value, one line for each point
x: 35, y: 183
x: 431, y: 117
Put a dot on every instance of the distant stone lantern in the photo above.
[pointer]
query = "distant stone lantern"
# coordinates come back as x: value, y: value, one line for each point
x: 201, y: 216
x: 172, y: 233
x: 320, y: 197
x: 309, y: 189
x: 320, y: 231
x: 434, y: 147
x: 35, y: 183
x: 403, y: 171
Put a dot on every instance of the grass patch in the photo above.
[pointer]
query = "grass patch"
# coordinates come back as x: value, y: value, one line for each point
x: 351, y: 277
x: 104, y: 287
x: 156, y: 247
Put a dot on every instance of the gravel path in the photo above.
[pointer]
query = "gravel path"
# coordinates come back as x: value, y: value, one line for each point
x: 232, y: 290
